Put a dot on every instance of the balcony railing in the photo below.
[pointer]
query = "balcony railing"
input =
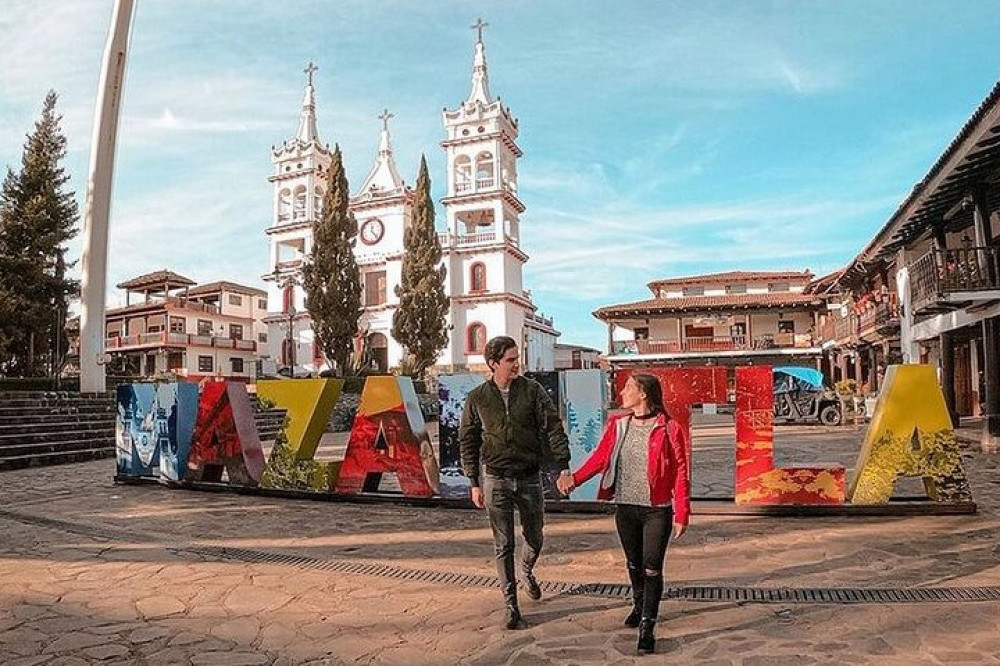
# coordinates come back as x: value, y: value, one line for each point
x: 703, y: 344
x: 879, y: 316
x: 172, y: 339
x: 482, y: 238
x: 951, y: 275
x: 845, y: 328
x: 484, y: 183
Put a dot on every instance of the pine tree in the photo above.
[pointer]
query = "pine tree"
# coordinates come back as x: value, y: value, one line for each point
x: 420, y: 323
x: 37, y: 218
x: 331, y: 278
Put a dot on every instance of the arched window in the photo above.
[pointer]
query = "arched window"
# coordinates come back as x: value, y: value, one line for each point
x: 463, y: 174
x: 477, y: 277
x: 284, y: 205
x: 318, y: 202
x: 377, y: 352
x: 475, y: 339
x: 299, y: 203
x: 484, y: 170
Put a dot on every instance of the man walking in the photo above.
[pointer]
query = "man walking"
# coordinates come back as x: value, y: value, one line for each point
x: 501, y: 446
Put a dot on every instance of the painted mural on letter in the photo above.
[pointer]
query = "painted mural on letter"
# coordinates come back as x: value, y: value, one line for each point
x: 910, y: 435
x: 758, y: 481
x: 176, y: 412
x: 584, y: 397
x: 452, y: 392
x: 225, y: 437
x: 389, y: 436
x: 137, y: 430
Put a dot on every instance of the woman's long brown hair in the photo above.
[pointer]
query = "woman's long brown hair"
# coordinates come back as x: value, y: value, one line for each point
x: 650, y: 385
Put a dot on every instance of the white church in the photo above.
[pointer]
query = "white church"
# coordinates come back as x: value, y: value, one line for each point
x: 481, y: 248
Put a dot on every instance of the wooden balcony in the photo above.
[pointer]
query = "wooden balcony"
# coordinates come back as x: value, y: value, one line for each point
x: 160, y: 339
x: 950, y: 279
x: 707, y: 345
x: 845, y: 329
x: 879, y: 318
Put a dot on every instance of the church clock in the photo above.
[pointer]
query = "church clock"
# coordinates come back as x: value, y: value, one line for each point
x: 371, y: 231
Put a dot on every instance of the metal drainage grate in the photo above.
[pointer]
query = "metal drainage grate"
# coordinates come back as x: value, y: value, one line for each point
x: 741, y: 595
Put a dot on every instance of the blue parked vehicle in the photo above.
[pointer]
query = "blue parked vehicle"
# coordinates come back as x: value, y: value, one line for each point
x: 801, y: 396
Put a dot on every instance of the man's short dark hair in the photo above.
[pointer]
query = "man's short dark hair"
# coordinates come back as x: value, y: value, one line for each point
x: 497, y: 347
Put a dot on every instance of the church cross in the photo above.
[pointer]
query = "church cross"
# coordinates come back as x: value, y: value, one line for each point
x: 478, y: 26
x: 310, y: 68
x: 384, y: 117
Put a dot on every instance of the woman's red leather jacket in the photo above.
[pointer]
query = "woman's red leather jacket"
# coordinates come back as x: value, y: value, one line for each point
x: 667, y: 466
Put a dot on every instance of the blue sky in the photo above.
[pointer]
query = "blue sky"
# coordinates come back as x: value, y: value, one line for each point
x: 660, y: 138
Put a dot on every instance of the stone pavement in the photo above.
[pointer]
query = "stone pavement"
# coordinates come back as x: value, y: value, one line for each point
x: 95, y: 573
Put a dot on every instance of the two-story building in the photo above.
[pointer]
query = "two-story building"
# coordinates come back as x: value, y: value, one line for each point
x: 929, y: 281
x: 732, y: 318
x: 172, y: 325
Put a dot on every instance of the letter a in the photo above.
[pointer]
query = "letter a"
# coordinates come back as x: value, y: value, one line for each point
x: 389, y: 436
x: 910, y: 435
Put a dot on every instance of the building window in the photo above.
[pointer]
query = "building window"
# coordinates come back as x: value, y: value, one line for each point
x: 475, y: 339
x: 375, y: 288
x: 477, y: 277
x: 786, y: 326
x: 288, y: 299
x: 204, y: 327
x: 736, y: 289
x: 205, y: 364
x: 236, y: 364
x: 779, y: 286
x: 236, y: 331
x: 154, y: 328
x: 235, y: 299
x: 641, y: 333
x: 175, y: 361
x: 697, y: 290
x: 463, y: 174
x: 262, y: 303
x: 178, y: 325
x: 262, y: 337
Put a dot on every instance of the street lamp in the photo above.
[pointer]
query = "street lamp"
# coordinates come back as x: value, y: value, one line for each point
x: 284, y: 282
x: 291, y: 341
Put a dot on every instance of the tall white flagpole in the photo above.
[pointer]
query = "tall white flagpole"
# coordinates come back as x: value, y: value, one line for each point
x: 98, y: 205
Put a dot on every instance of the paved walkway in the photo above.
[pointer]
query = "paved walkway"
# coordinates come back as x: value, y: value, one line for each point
x: 94, y: 573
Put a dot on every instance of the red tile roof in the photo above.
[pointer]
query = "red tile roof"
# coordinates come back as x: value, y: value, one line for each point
x: 710, y: 303
x: 223, y: 285
x: 732, y: 276
x: 157, y: 279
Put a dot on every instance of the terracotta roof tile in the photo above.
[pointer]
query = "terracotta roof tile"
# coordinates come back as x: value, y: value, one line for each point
x: 732, y: 276
x: 223, y: 285
x: 157, y: 279
x: 707, y: 303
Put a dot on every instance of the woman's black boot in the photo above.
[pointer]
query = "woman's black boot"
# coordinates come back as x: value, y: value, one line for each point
x: 647, y: 637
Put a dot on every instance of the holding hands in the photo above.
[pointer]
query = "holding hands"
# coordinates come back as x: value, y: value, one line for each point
x: 565, y: 484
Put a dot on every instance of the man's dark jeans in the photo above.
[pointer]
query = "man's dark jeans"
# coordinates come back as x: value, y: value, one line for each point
x: 501, y: 495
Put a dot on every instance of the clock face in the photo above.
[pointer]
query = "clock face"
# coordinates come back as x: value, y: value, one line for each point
x: 371, y: 231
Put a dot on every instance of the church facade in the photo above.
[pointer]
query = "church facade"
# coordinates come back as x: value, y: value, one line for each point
x: 481, y: 245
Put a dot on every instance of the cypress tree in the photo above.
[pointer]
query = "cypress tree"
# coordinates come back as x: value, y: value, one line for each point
x: 331, y: 278
x: 37, y: 218
x: 420, y: 323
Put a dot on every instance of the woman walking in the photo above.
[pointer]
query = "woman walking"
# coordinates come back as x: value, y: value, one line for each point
x: 642, y: 459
